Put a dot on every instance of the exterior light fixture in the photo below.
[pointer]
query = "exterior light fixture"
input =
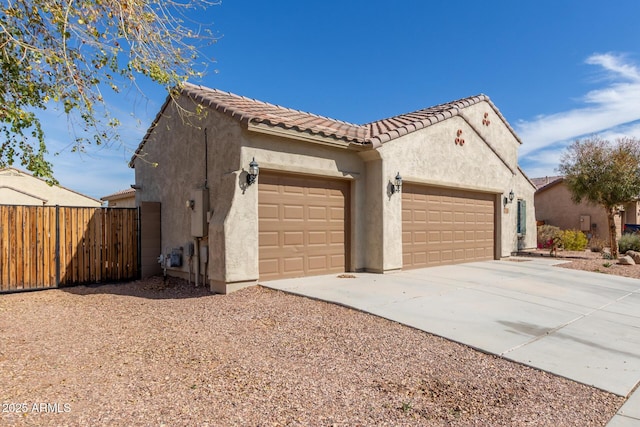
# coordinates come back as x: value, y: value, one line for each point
x: 509, y: 199
x: 397, y: 184
x: 254, y: 170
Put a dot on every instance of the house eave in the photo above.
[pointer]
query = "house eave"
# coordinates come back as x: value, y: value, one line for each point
x: 306, y: 136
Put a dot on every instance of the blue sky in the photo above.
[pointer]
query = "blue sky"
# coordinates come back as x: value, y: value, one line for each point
x: 557, y: 70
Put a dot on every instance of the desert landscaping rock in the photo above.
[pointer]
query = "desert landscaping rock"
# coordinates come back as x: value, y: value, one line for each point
x: 155, y: 353
x: 626, y: 260
x: 634, y: 255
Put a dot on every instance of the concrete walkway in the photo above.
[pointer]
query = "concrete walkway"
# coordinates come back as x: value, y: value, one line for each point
x: 579, y: 325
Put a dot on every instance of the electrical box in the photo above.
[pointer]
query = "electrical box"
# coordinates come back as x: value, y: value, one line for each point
x: 585, y: 222
x: 175, y: 258
x: 199, y: 209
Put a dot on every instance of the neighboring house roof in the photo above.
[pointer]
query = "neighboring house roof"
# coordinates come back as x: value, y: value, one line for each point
x: 122, y: 194
x: 529, y: 180
x: 546, y: 182
x: 251, y: 111
x: 20, y: 187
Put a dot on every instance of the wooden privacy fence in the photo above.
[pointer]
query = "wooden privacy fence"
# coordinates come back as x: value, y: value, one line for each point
x: 49, y: 246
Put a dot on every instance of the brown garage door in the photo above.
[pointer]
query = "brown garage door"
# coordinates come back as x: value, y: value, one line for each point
x: 444, y: 226
x: 303, y: 224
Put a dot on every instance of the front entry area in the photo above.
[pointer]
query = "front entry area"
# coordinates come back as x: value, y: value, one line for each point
x: 446, y: 226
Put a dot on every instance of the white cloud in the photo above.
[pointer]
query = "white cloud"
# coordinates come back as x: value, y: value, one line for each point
x: 613, y: 105
x: 610, y: 112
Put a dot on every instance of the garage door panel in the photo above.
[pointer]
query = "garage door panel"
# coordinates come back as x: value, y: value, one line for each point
x: 293, y: 212
x: 269, y: 239
x: 459, y: 226
x: 310, y: 218
x: 337, y: 213
x: 317, y: 213
x: 317, y: 263
x: 317, y: 238
x: 293, y: 238
x: 268, y: 211
x: 337, y: 238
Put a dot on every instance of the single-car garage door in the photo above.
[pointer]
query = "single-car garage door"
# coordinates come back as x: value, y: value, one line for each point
x: 303, y: 224
x: 445, y: 226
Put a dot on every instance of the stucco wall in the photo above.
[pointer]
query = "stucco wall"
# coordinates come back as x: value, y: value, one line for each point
x: 555, y: 207
x: 178, y: 151
x: 172, y: 166
x: 432, y: 157
x: 20, y: 188
x: 280, y: 154
x: 125, y: 202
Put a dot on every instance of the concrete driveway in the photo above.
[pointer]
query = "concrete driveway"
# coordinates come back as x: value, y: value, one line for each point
x: 579, y: 325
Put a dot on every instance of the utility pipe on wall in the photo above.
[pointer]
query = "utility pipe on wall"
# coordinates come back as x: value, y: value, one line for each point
x: 197, y: 257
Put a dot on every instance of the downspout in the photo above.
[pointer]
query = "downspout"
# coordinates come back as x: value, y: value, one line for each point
x: 197, y: 257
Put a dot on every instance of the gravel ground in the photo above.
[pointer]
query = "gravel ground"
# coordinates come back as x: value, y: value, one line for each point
x: 591, y: 261
x: 150, y: 353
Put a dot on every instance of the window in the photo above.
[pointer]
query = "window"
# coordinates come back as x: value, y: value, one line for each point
x: 521, y: 227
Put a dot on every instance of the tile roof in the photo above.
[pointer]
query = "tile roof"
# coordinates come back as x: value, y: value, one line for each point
x: 387, y: 129
x: 251, y: 111
x: 129, y: 192
x: 248, y: 110
x: 546, y: 180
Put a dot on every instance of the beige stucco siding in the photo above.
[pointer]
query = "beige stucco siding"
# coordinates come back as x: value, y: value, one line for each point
x: 20, y: 188
x: 179, y: 153
x: 493, y: 130
x: 555, y: 207
x: 172, y: 166
x: 432, y: 157
x: 278, y: 154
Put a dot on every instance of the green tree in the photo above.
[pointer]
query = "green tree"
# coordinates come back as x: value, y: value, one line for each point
x: 603, y: 173
x: 65, y: 52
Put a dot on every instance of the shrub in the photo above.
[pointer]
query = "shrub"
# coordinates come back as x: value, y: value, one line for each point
x: 548, y: 236
x: 596, y: 244
x: 574, y: 240
x: 629, y: 242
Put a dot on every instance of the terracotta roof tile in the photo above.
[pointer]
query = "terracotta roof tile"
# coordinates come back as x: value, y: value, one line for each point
x: 546, y: 180
x: 120, y: 194
x: 252, y: 111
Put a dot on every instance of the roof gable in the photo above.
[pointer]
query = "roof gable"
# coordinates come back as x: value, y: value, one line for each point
x: 253, y: 112
x: 37, y: 188
x: 122, y: 194
x: 546, y: 182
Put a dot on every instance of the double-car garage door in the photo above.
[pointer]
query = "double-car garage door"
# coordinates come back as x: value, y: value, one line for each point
x: 445, y: 226
x: 303, y: 224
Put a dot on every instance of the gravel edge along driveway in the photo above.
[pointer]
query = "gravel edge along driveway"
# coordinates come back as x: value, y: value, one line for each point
x: 164, y: 353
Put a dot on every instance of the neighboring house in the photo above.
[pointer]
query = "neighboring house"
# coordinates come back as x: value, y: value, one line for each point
x: 121, y: 199
x: 21, y: 188
x: 325, y: 200
x: 555, y: 207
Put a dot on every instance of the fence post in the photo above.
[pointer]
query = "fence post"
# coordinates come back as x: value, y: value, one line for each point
x: 57, y: 246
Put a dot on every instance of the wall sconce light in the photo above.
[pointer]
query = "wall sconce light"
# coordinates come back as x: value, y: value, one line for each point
x: 136, y: 186
x: 509, y: 199
x: 397, y: 184
x: 254, y: 170
x: 190, y: 204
